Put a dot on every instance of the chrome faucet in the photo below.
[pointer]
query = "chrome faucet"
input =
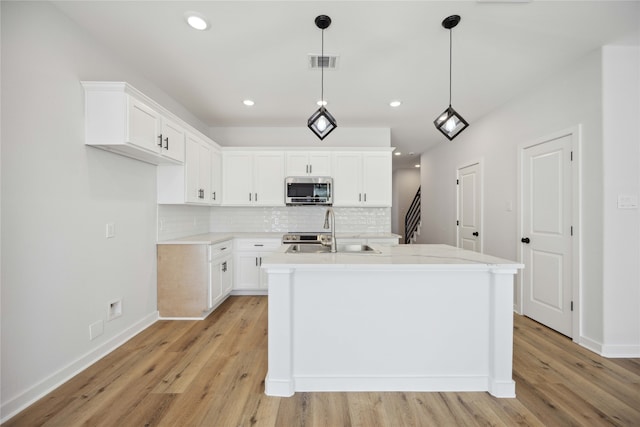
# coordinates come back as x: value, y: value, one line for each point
x: 334, y: 247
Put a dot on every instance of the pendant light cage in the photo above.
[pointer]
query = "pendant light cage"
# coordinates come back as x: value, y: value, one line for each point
x: 322, y: 123
x: 450, y: 122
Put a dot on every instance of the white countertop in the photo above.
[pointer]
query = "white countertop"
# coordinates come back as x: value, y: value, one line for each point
x: 419, y: 257
x: 212, y: 238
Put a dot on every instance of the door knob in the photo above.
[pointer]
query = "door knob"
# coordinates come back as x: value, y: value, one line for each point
x: 525, y: 240
x: 475, y: 233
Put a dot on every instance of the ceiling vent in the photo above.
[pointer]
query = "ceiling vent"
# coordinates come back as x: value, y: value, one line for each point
x: 328, y: 62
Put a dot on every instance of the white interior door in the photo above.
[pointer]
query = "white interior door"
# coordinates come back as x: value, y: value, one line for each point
x: 469, y: 208
x: 547, y: 230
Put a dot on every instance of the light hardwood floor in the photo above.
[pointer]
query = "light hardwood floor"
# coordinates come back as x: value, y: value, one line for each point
x: 211, y: 373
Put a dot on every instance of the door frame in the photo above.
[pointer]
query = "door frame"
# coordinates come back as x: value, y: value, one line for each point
x: 480, y: 163
x: 575, y: 132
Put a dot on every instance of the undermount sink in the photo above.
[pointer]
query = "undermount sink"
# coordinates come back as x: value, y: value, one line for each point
x: 312, y: 248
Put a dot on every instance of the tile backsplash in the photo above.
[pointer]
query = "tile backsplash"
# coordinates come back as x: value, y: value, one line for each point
x: 175, y: 221
x: 299, y: 218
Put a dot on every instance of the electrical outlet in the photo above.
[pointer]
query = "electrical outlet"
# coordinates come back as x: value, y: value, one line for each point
x: 111, y: 230
x: 114, y: 309
x: 96, y: 329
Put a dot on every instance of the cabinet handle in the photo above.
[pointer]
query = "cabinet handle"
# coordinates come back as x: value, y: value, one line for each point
x: 306, y: 168
x: 365, y: 197
x: 166, y: 139
x: 222, y: 249
x: 213, y: 195
x: 258, y: 244
x: 201, y: 194
x: 249, y: 196
x: 260, y: 263
x: 310, y: 168
x: 224, y: 266
x: 256, y: 261
x: 160, y: 140
x: 359, y: 197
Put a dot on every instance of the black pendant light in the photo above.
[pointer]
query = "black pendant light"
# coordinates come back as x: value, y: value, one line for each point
x: 450, y: 123
x: 322, y: 122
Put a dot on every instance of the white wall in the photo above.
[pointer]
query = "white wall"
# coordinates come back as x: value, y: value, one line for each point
x: 405, y: 186
x: 621, y: 158
x: 570, y: 98
x: 59, y: 272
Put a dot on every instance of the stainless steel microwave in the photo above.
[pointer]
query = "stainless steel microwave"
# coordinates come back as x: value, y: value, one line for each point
x: 308, y: 190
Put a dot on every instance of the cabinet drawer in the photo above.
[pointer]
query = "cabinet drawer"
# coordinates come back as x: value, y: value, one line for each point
x: 222, y: 249
x: 257, y: 245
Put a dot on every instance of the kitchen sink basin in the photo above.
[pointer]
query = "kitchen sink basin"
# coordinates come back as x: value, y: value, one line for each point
x: 312, y: 248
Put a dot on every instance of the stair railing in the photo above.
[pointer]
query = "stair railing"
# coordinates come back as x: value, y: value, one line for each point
x: 412, y: 218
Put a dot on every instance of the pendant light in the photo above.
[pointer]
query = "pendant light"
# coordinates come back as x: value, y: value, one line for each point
x: 322, y: 122
x: 450, y: 123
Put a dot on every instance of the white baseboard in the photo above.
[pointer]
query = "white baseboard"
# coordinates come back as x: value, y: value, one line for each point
x: 590, y: 344
x: 13, y: 406
x: 621, y: 351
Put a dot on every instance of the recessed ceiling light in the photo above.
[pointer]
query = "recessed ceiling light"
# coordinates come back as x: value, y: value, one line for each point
x: 322, y: 103
x: 196, y: 20
x: 248, y: 103
x: 397, y: 153
x: 417, y: 166
x: 395, y: 103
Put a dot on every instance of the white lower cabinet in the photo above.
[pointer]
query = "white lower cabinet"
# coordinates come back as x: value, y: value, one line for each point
x: 249, y: 278
x: 221, y: 275
x: 193, y: 279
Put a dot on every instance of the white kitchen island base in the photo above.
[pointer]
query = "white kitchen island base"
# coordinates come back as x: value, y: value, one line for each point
x: 412, y: 318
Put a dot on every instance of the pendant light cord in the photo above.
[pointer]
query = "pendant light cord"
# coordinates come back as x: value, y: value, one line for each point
x: 322, y: 72
x: 450, y: 54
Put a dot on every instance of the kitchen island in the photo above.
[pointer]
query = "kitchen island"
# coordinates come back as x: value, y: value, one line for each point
x: 405, y: 318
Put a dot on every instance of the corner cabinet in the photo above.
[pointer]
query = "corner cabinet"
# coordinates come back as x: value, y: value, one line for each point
x: 190, y: 183
x: 362, y: 179
x: 122, y: 120
x: 252, y: 178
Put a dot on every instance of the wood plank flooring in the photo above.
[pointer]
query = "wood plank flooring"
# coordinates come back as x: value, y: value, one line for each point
x: 211, y: 373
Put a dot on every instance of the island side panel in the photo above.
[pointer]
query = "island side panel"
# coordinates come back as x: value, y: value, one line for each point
x: 279, y: 380
x: 501, y: 382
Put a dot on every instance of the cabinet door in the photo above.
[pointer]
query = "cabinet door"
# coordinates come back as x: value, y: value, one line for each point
x: 320, y: 164
x: 268, y: 178
x: 297, y: 164
x: 204, y: 173
x: 347, y: 179
x: 215, y: 287
x: 144, y: 126
x: 215, y: 195
x: 237, y: 179
x: 192, y: 171
x: 173, y: 136
x: 376, y: 179
x: 227, y: 274
x: 247, y: 270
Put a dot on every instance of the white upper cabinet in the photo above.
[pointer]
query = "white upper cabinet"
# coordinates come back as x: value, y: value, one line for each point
x: 173, y: 137
x: 215, y: 195
x: 362, y: 179
x: 191, y: 182
x: 122, y: 120
x: 315, y: 163
x: 252, y: 178
x: 197, y: 171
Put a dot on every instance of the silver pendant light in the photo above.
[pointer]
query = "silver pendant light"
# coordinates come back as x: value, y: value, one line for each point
x: 322, y: 122
x: 450, y: 123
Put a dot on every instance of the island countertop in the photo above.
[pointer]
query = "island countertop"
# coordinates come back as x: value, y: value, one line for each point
x: 415, y: 256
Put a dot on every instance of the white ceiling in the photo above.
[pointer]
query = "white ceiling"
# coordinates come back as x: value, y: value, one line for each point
x: 388, y: 50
